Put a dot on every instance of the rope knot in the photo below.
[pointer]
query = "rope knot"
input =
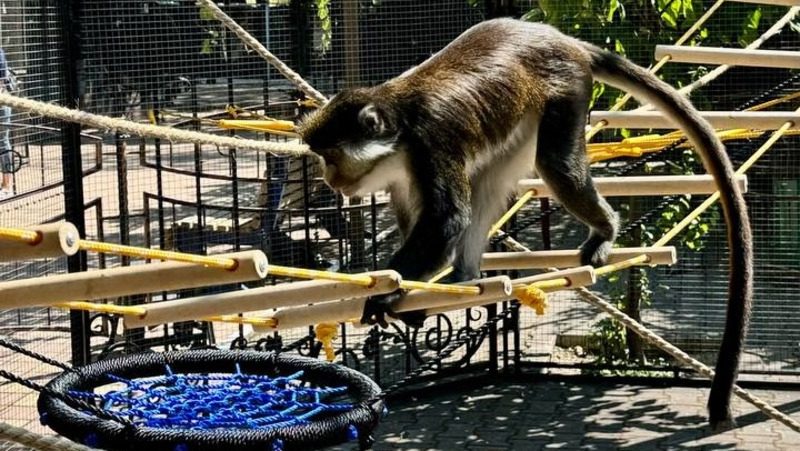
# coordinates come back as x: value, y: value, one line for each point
x: 533, y: 297
x: 326, y: 333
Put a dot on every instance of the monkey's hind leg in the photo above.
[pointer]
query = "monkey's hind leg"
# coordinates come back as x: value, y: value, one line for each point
x: 563, y: 165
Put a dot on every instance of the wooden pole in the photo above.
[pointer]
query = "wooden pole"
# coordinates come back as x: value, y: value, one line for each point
x: 351, y: 309
x: 492, y: 288
x: 761, y: 120
x: 578, y: 277
x: 647, y: 185
x: 283, y: 295
x: 128, y: 280
x: 493, y: 261
x: 770, y: 2
x: 782, y: 59
x: 55, y: 240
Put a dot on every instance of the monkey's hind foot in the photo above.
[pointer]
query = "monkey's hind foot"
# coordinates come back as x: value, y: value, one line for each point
x: 377, y: 308
x: 594, y: 251
x: 414, y: 320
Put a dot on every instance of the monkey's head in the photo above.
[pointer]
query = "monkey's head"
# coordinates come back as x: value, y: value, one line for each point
x: 353, y: 134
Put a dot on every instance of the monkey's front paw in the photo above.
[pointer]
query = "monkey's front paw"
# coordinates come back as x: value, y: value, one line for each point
x: 377, y: 307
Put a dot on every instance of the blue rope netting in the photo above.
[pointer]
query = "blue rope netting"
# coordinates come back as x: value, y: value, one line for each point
x: 209, y: 401
x: 212, y: 400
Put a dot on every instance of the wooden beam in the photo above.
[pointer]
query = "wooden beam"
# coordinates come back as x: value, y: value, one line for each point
x: 496, y: 289
x: 571, y: 258
x: 752, y: 120
x: 263, y: 298
x: 647, y: 185
x: 128, y: 280
x: 55, y: 240
x: 770, y: 2
x: 578, y: 277
x: 782, y: 59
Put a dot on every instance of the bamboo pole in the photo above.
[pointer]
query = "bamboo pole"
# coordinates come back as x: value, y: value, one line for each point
x: 492, y: 289
x: 351, y: 309
x: 770, y: 2
x: 493, y: 261
x: 576, y: 277
x: 771, y: 120
x: 263, y: 298
x: 128, y: 280
x: 50, y: 241
x: 782, y: 59
x: 648, y: 185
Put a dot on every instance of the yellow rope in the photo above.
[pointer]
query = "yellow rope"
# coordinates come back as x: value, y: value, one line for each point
x: 156, y: 254
x: 638, y: 145
x: 714, y: 197
x: 528, y: 195
x: 276, y: 127
x: 439, y: 287
x: 512, y: 211
x: 534, y: 295
x: 685, y: 222
x: 103, y: 308
x: 326, y: 333
x: 619, y: 266
x: 620, y: 103
x: 368, y: 281
x: 26, y: 236
x: 251, y: 320
x: 301, y: 273
x: 661, y: 63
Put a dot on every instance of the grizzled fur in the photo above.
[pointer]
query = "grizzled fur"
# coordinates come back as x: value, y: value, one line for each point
x: 450, y: 138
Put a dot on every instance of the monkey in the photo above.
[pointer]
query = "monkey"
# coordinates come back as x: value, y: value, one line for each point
x: 449, y: 139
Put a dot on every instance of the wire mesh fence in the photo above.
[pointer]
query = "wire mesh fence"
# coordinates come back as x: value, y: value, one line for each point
x: 171, y: 63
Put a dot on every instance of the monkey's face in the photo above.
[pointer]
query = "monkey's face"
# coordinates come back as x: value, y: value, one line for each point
x: 353, y: 137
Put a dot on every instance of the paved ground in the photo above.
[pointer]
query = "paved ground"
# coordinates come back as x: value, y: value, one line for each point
x: 569, y: 415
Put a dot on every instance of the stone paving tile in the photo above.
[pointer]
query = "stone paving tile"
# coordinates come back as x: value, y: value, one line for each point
x: 562, y: 415
x: 566, y: 416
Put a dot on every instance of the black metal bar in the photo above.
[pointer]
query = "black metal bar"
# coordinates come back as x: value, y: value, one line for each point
x: 69, y: 17
x: 122, y: 180
x: 198, y: 171
x: 234, y: 167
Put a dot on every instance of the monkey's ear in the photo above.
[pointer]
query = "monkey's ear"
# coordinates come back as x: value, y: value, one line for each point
x: 372, y: 120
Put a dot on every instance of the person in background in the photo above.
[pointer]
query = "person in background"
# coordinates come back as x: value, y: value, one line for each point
x: 6, y: 158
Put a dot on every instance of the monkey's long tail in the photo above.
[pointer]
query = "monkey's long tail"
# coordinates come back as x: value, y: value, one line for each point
x: 623, y: 74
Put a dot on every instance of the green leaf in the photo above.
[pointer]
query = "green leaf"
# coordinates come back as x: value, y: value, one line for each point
x: 206, y: 14
x: 613, y: 6
x: 618, y: 47
x: 750, y: 28
x: 207, y: 47
x: 597, y: 91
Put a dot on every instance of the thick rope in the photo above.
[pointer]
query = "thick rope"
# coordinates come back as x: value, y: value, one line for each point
x: 38, y: 441
x: 683, y: 357
x: 262, y: 51
x: 155, y: 131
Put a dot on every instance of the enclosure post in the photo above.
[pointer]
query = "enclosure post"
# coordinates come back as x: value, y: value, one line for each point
x: 352, y: 79
x: 633, y: 306
x: 70, y: 13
